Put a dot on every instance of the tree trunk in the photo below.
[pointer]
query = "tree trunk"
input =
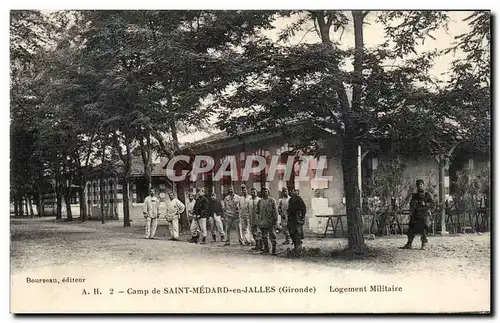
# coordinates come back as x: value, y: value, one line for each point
x: 58, y: 196
x: 126, y: 206
x: 101, y: 198
x: 67, y: 198
x: 181, y: 195
x: 83, y: 203
x: 146, y: 160
x: 81, y: 196
x: 19, y: 203
x: 356, y: 240
x: 16, y: 207
x: 442, y: 169
x: 30, y: 205
x: 21, y: 208
x: 39, y: 204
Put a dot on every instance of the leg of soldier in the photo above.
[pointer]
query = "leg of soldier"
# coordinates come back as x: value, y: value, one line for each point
x: 292, y: 230
x: 213, y: 229
x: 265, y: 241
x: 175, y: 229
x: 228, y: 223
x: 219, y: 226
x: 236, y: 222
x: 423, y: 237
x: 154, y: 226
x: 251, y: 238
x: 195, y: 230
x: 148, y: 227
x: 299, y: 232
x: 255, y: 237
x: 170, y: 229
x: 272, y: 237
x: 244, y: 230
x: 284, y: 225
x: 411, y: 233
x: 202, y: 222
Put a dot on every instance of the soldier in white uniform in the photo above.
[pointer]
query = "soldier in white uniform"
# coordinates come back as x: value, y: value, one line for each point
x: 283, y: 212
x: 173, y: 211
x: 151, y: 211
x: 245, y: 234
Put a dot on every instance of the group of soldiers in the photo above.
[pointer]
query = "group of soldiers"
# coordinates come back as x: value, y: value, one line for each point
x: 254, y: 218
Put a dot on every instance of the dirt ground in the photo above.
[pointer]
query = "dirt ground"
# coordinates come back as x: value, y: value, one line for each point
x: 46, y: 242
x: 461, y: 262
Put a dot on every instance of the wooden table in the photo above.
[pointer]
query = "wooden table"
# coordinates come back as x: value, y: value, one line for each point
x: 329, y: 222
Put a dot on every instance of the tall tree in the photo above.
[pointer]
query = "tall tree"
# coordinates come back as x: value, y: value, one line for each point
x: 281, y: 84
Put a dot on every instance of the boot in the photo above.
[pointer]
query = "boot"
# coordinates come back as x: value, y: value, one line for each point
x: 406, y: 246
x: 203, y: 240
x: 265, y: 247
x: 257, y: 246
x: 424, y: 243
x: 273, y: 251
x: 214, y: 237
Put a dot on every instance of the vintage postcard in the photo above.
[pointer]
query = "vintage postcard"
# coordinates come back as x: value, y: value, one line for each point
x: 250, y: 161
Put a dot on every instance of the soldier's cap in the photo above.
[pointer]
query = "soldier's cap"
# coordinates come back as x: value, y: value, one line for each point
x: 420, y: 181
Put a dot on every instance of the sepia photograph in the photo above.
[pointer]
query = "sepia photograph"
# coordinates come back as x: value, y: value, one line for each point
x: 306, y: 161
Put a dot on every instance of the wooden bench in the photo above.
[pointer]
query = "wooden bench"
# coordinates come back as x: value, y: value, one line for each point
x: 329, y: 222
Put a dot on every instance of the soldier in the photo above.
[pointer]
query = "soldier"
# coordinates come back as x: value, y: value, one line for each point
x: 267, y: 215
x: 283, y: 212
x: 245, y: 216
x: 296, y: 219
x: 231, y: 207
x: 190, y: 213
x: 199, y: 222
x: 420, y: 207
x: 215, y: 217
x: 151, y: 211
x: 173, y: 211
x: 252, y: 210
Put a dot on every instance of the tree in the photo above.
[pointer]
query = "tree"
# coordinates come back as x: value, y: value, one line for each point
x: 282, y: 83
x: 28, y: 37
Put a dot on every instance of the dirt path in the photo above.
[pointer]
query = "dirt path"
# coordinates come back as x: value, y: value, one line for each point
x: 458, y: 265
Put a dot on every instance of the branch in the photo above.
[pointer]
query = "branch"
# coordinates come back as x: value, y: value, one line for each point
x: 118, y: 149
x: 307, y: 32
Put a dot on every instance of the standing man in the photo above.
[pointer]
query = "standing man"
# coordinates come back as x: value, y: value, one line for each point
x: 199, y: 221
x: 190, y: 216
x: 231, y: 207
x: 296, y: 219
x: 173, y: 210
x: 421, y: 205
x: 215, y: 217
x: 252, y: 210
x: 283, y: 212
x: 245, y: 216
x: 267, y: 209
x: 151, y: 211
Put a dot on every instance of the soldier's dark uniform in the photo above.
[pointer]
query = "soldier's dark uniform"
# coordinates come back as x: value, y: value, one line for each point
x: 420, y: 206
x: 296, y: 219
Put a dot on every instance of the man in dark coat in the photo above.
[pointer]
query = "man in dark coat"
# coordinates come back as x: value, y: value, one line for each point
x: 200, y: 212
x: 421, y: 205
x: 296, y: 218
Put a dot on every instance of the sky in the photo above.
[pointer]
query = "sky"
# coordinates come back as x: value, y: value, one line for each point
x: 373, y: 35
